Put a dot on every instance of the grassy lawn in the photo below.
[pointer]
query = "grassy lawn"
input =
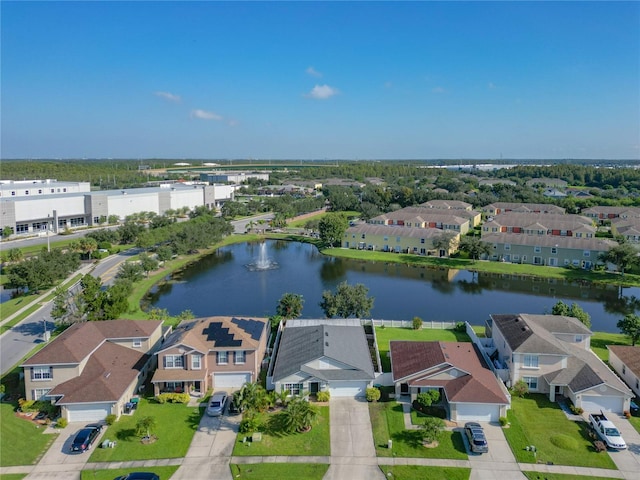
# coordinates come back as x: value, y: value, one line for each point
x: 13, y: 305
x: 108, y: 474
x: 21, y: 443
x: 536, y: 421
x: 315, y: 442
x: 279, y: 471
x: 600, y: 340
x: 176, y: 425
x: 387, y: 423
x: 12, y: 476
x: 384, y: 335
x: 635, y: 421
x: 559, y: 476
x: 413, y: 472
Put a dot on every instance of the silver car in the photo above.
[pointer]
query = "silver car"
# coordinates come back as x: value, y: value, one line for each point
x: 217, y: 404
x: 475, y: 435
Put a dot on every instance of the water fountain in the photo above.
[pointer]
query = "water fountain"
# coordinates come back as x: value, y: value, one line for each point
x: 263, y: 262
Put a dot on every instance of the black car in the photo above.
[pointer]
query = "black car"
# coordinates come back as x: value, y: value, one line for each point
x: 139, y: 476
x: 84, y: 439
x: 475, y: 435
x: 99, y: 426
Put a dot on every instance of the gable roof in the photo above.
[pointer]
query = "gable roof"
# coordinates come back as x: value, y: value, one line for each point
x: 107, y: 375
x: 628, y: 355
x: 302, y: 342
x: 418, y: 361
x: 80, y: 339
x: 212, y: 333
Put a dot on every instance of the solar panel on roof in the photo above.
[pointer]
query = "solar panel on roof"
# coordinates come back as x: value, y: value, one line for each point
x: 252, y: 327
x: 221, y: 336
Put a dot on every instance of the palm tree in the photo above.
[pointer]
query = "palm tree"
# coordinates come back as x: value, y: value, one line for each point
x: 252, y: 395
x: 299, y: 416
x: 145, y: 426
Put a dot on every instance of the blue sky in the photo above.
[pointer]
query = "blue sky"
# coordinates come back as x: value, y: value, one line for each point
x: 314, y: 80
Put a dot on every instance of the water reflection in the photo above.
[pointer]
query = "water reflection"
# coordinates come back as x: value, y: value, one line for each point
x: 220, y: 285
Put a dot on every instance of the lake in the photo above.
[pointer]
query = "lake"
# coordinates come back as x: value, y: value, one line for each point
x: 222, y: 284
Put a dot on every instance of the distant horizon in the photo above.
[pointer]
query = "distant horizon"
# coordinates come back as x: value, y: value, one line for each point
x: 352, y: 80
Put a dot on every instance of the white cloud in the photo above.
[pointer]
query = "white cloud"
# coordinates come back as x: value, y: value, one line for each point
x: 322, y: 92
x: 204, y: 115
x: 438, y: 90
x: 169, y: 96
x: 313, y: 72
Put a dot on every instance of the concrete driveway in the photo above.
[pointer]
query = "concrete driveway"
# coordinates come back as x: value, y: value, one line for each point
x: 499, y: 462
x: 210, y: 450
x: 353, y: 455
x: 58, y: 462
x: 627, y: 461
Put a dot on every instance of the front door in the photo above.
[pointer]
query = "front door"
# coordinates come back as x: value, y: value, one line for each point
x: 313, y: 387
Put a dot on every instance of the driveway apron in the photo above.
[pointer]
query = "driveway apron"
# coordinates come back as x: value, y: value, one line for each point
x: 499, y: 462
x: 353, y: 455
x: 210, y: 450
x: 627, y: 461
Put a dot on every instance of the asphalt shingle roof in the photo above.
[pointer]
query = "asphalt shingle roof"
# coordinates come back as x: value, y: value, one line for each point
x: 629, y: 355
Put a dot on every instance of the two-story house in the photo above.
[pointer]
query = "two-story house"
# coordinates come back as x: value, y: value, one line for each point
x: 552, y: 355
x: 500, y: 208
x: 93, y: 369
x: 211, y: 352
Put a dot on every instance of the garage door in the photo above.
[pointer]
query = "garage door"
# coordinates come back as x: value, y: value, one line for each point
x: 477, y: 413
x: 88, y: 413
x: 230, y: 380
x: 347, y: 389
x: 593, y: 403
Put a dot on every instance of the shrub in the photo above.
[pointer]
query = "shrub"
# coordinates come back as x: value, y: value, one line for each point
x: 425, y: 399
x: 27, y: 405
x: 111, y: 419
x: 627, y: 414
x: 250, y: 422
x: 372, y: 394
x: 576, y: 410
x: 416, y: 323
x: 520, y: 388
x: 62, y: 422
x: 172, y: 398
x: 323, y: 396
x: 460, y: 327
x: 503, y: 421
x: 431, y: 429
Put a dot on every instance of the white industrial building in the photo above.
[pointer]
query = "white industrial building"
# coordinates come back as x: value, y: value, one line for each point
x: 233, y: 177
x: 69, y: 205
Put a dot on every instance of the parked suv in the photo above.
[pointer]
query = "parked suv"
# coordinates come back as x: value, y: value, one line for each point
x: 139, y: 476
x: 475, y: 435
x: 217, y: 404
x: 84, y: 439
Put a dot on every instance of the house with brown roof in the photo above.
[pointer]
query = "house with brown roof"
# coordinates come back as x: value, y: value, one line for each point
x: 540, y: 224
x: 467, y: 385
x: 603, y: 214
x: 211, y: 352
x: 552, y: 355
x: 499, y: 208
x: 93, y: 369
x: 625, y: 361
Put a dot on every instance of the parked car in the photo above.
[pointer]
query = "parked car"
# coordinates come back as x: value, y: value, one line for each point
x: 139, y: 476
x: 217, y: 404
x: 84, y: 439
x: 99, y: 426
x: 475, y: 435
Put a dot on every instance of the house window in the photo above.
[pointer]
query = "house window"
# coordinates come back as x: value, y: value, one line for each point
x: 532, y: 382
x: 637, y: 384
x: 363, y: 235
x: 137, y: 342
x: 173, y: 361
x: 578, y: 338
x: 398, y: 239
x: 554, y: 250
x: 293, y: 388
x: 586, y: 253
x: 530, y: 361
x: 624, y: 369
x: 222, y: 358
x: 173, y: 386
x: 422, y: 240
x: 196, y: 362
x: 507, y: 246
x: 386, y: 239
x: 40, y: 393
x: 240, y: 356
x: 41, y: 373
x: 536, y: 249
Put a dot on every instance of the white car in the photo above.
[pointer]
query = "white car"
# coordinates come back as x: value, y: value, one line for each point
x: 217, y: 404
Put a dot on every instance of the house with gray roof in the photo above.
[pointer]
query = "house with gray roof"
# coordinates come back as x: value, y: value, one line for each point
x: 552, y: 355
x: 499, y: 208
x: 322, y: 355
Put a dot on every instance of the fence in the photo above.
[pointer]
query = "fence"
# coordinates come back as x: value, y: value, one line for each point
x: 407, y: 323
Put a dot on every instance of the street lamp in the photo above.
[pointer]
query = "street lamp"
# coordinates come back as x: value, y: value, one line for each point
x: 47, y: 334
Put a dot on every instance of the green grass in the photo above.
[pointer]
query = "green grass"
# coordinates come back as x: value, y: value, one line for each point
x: 279, y: 471
x: 176, y: 425
x: 537, y: 421
x: 414, y: 472
x: 13, y: 305
x: 384, y: 335
x: 387, y: 422
x: 164, y: 473
x: 635, y: 421
x: 21, y: 442
x: 12, y: 476
x: 319, y: 216
x: 315, y: 442
x: 559, y: 476
x: 600, y: 340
